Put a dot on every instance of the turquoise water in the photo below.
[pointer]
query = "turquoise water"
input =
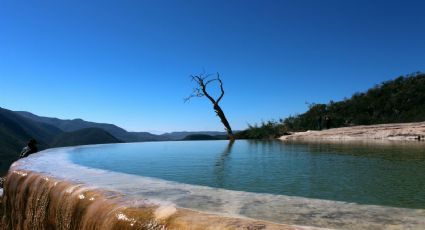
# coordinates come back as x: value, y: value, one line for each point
x: 382, y: 174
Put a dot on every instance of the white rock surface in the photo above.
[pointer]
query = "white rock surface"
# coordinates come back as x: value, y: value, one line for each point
x: 399, y: 131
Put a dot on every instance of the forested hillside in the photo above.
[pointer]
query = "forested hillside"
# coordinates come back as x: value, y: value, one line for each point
x: 399, y: 100
x: 395, y: 101
x: 84, y: 137
x: 78, y: 124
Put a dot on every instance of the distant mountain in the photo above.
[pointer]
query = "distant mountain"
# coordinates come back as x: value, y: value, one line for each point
x: 77, y: 124
x: 15, y: 127
x: 118, y: 132
x: 16, y: 130
x: 84, y: 137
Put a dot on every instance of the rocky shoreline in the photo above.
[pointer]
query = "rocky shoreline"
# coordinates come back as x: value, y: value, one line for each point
x: 397, y: 132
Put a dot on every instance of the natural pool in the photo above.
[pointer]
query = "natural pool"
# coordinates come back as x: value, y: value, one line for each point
x: 391, y: 175
x: 333, y: 185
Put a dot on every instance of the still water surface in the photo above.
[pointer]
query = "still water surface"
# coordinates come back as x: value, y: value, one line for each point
x: 389, y: 174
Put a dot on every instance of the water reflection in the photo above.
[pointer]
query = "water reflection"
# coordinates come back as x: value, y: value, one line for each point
x: 388, y: 150
x: 220, y: 164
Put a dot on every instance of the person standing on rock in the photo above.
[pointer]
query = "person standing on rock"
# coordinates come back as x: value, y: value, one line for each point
x: 29, y: 149
x: 328, y: 122
x: 319, y: 122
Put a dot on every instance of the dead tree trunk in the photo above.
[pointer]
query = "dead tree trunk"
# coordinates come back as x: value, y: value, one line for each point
x: 201, y: 91
x: 223, y: 119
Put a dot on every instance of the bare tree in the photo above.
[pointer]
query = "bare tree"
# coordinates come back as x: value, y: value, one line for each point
x: 202, y: 81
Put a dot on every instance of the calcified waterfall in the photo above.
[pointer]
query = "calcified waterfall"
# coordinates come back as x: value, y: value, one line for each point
x: 35, y: 201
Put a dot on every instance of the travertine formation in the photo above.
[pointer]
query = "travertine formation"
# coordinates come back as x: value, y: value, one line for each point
x: 400, y: 131
x: 35, y: 201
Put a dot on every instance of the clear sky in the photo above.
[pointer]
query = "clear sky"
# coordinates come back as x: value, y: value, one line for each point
x: 128, y: 62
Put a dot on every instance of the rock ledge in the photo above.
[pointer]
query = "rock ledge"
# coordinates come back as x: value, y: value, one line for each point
x: 397, y: 131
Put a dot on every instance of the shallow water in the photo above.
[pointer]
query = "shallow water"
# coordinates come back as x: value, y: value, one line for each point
x: 390, y: 175
x: 297, y: 176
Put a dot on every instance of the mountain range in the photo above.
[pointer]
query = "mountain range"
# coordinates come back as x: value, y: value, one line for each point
x: 77, y: 124
x: 17, y: 127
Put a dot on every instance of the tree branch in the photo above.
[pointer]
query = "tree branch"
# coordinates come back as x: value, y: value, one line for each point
x: 221, y: 88
x: 196, y: 93
x: 202, y: 91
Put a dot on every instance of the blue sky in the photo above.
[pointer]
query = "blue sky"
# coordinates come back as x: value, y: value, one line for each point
x: 128, y: 62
